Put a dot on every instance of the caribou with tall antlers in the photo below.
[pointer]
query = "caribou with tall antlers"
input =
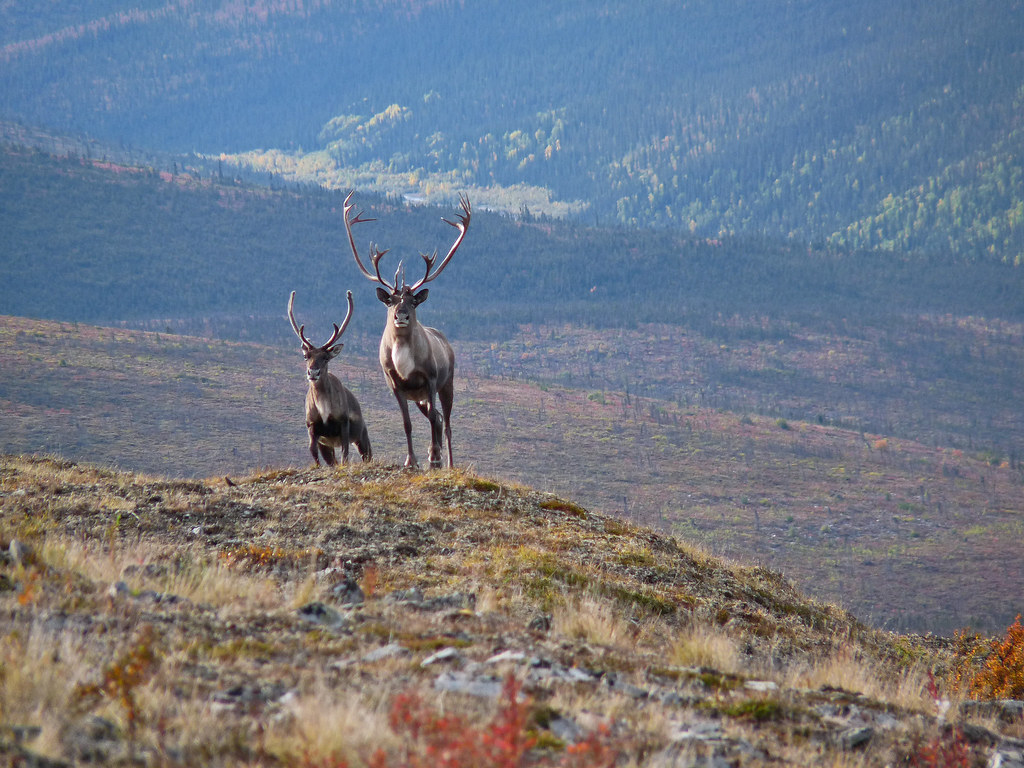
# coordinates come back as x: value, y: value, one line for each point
x: 333, y: 416
x: 418, y: 361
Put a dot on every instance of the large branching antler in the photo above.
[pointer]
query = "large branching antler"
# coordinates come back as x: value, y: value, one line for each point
x: 375, y: 253
x: 300, y: 329
x: 462, y: 225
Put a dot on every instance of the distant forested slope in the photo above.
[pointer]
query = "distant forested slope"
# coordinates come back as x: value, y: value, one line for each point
x: 863, y: 123
x: 90, y: 240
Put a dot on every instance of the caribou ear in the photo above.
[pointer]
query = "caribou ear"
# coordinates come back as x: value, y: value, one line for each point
x: 420, y: 297
x: 384, y: 296
x: 334, y: 351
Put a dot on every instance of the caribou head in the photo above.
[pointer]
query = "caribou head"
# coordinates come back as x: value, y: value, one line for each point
x: 316, y: 357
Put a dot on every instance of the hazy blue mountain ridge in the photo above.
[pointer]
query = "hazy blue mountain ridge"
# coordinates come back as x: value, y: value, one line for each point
x: 867, y: 124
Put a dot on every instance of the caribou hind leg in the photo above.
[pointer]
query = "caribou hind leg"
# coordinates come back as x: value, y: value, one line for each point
x: 363, y: 444
x: 345, y: 439
x: 446, y: 395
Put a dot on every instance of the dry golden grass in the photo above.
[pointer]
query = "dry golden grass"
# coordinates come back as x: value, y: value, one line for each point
x: 318, y: 724
x: 235, y: 563
x: 38, y: 678
x: 191, y: 574
x: 844, y: 669
x: 591, y: 620
x: 704, y: 645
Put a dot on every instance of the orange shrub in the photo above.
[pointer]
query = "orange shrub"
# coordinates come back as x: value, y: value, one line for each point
x: 1002, y: 674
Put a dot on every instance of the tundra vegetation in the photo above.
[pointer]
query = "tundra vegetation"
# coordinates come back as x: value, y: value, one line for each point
x: 908, y: 534
x: 364, y: 615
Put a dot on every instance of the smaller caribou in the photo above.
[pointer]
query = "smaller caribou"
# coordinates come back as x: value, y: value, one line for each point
x: 333, y: 417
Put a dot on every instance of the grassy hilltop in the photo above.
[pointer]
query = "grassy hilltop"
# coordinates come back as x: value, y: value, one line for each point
x: 367, y: 615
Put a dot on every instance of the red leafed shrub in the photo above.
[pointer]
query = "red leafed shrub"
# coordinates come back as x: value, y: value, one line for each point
x: 944, y: 751
x: 435, y: 740
x: 948, y: 749
x: 595, y: 751
x: 448, y: 741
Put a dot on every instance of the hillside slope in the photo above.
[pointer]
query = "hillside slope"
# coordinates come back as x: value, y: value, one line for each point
x: 90, y: 239
x: 295, y: 609
x: 907, y: 534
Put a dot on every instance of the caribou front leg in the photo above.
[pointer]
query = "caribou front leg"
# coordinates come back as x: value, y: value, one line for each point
x: 403, y: 404
x: 314, y: 447
x: 436, y: 427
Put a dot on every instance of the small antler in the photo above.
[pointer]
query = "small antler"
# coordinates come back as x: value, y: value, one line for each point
x: 462, y: 225
x: 344, y: 323
x: 295, y: 326
x: 299, y: 329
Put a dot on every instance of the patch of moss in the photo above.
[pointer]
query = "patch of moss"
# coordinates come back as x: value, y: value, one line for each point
x: 546, y: 740
x: 243, y: 647
x: 636, y: 558
x: 412, y: 640
x: 719, y: 682
x: 561, y: 505
x: 759, y: 710
x: 433, y: 642
x: 482, y: 485
x: 615, y: 528
x: 649, y: 602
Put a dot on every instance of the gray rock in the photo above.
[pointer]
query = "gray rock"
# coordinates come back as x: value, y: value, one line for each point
x: 95, y: 739
x: 558, y: 674
x: 540, y: 623
x: 507, y: 656
x: 20, y: 552
x: 852, y: 738
x: 1009, y: 710
x: 1006, y: 758
x: 318, y: 613
x: 389, y: 651
x: 484, y: 687
x: 413, y: 596
x: 348, y: 593
x: 118, y: 590
x: 566, y: 729
x: 612, y: 682
x: 445, y: 654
